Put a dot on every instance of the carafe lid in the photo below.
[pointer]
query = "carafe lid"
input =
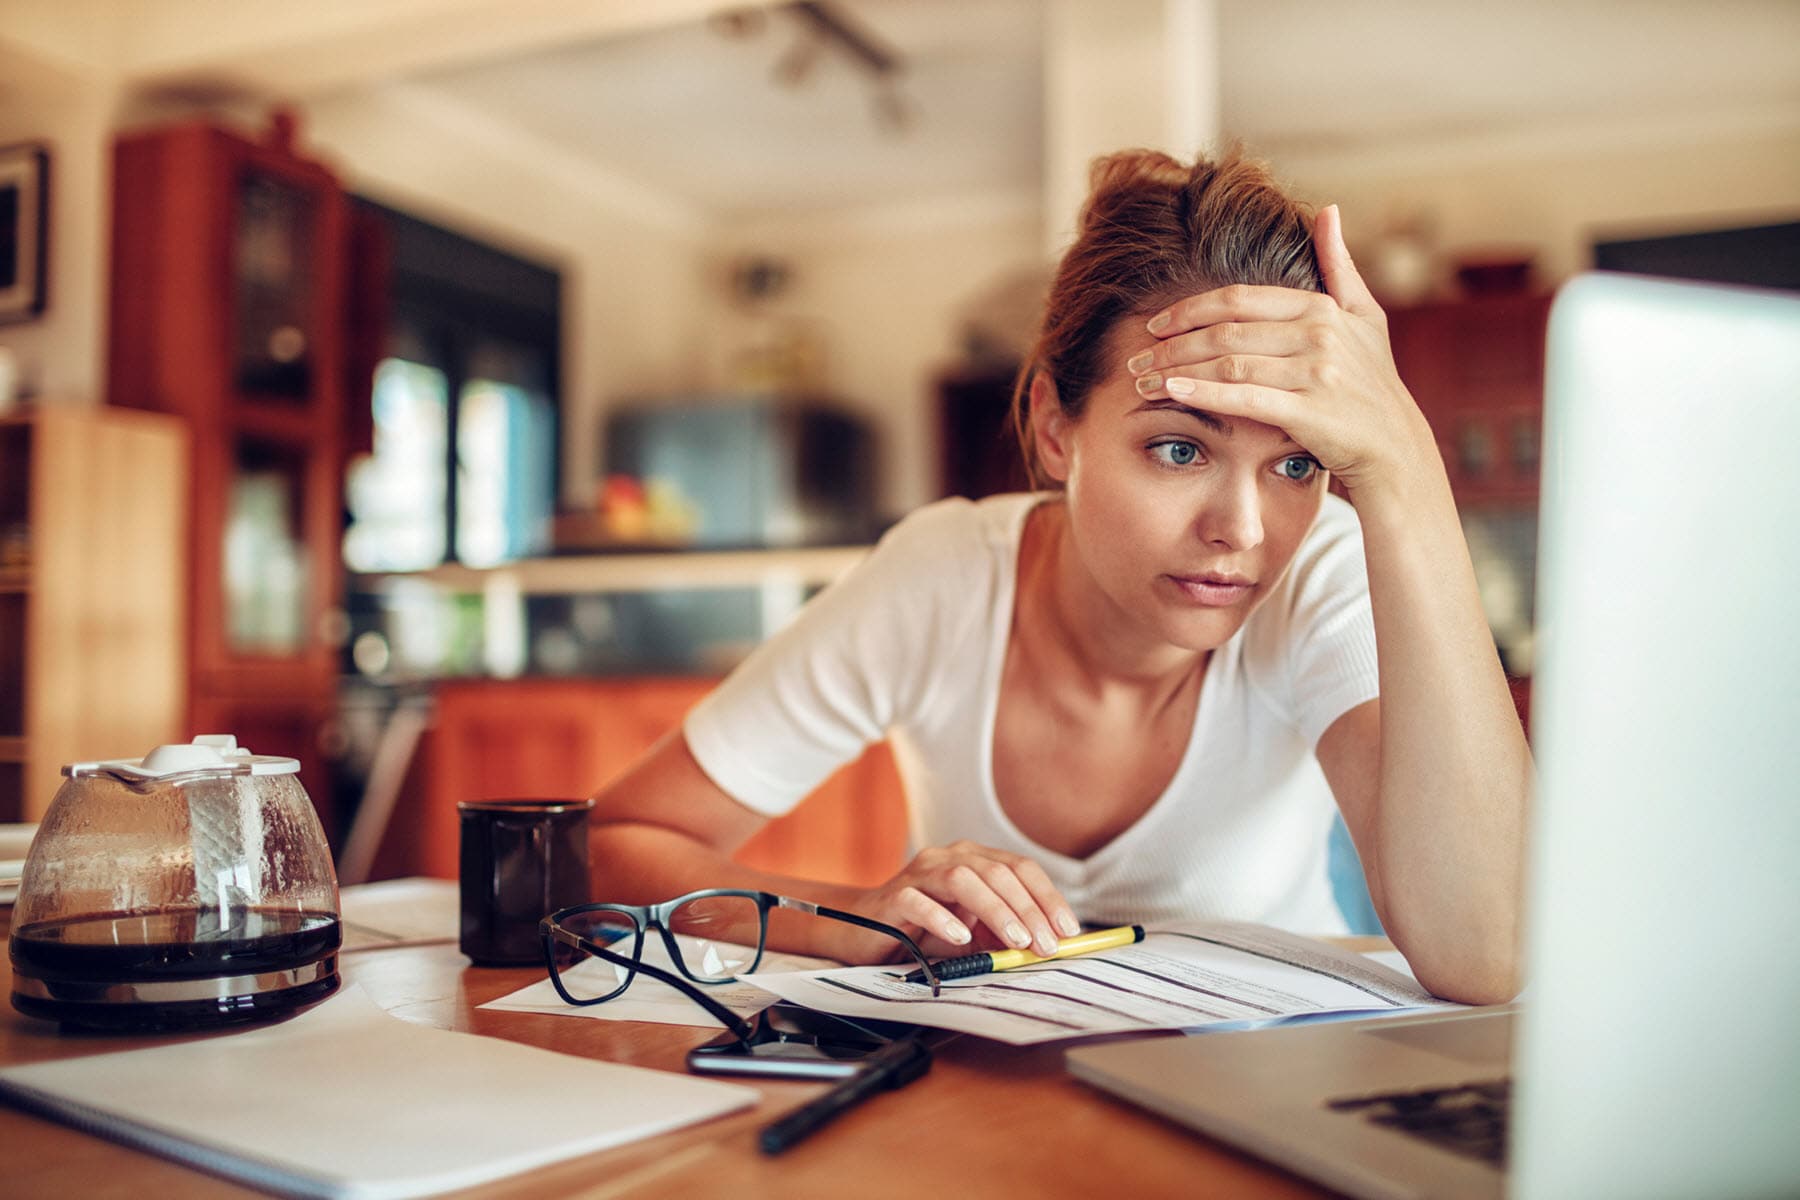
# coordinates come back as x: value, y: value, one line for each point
x: 209, y: 754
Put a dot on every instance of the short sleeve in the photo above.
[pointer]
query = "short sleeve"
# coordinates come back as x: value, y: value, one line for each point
x: 861, y: 657
x: 1313, y: 644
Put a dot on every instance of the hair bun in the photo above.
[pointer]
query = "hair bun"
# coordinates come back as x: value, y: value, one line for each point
x: 1130, y: 176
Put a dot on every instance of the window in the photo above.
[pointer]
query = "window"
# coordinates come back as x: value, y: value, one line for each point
x: 504, y: 433
x: 399, y: 497
x: 466, y: 409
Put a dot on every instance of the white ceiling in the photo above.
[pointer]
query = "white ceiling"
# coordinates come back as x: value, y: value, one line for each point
x: 1299, y: 74
x: 696, y: 114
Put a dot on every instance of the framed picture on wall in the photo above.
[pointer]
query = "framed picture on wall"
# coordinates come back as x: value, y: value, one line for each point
x: 24, y: 229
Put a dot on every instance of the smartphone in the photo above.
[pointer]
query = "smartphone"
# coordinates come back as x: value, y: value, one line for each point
x: 790, y: 1042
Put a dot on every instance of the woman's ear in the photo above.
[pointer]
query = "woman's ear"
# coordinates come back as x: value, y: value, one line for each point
x: 1050, y: 428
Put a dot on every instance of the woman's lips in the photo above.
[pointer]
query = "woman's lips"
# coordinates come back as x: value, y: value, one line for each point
x: 1212, y: 591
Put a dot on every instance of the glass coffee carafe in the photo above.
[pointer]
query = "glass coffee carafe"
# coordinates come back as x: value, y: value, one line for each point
x: 189, y: 888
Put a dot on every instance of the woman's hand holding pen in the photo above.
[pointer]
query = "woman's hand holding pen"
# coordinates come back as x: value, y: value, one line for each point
x: 1317, y: 366
x: 962, y: 897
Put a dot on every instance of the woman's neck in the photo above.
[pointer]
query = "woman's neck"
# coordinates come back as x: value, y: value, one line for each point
x: 1076, y: 631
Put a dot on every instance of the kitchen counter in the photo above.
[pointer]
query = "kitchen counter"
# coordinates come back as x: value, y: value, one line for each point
x: 650, y: 571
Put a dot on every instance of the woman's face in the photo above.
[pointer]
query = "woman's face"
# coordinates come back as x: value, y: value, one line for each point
x: 1184, y: 521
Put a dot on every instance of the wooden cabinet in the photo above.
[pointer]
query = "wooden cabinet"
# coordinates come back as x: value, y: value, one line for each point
x: 1476, y: 367
x: 568, y: 737
x: 227, y: 308
x: 93, y: 586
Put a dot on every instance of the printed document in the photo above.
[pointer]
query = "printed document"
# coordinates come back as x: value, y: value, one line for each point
x: 650, y: 999
x: 1189, y: 975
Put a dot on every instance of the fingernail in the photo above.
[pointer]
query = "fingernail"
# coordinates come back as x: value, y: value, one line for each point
x: 1066, y: 922
x: 1139, y: 362
x: 1177, y: 386
x: 1160, y: 321
x: 1149, y: 383
x: 1046, y: 944
x: 1016, y: 935
x: 957, y: 932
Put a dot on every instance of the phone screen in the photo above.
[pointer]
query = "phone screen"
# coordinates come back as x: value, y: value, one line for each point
x: 790, y: 1043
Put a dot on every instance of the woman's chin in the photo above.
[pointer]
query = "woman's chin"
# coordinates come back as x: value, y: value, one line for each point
x: 1201, y: 630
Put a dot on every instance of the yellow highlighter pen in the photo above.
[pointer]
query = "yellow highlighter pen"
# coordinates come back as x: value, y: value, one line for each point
x: 1004, y: 960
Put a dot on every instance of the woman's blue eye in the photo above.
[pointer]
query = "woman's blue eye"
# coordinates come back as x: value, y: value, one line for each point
x: 1176, y: 454
x: 1298, y: 468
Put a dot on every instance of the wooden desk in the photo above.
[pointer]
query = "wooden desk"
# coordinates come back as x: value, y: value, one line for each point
x: 982, y: 1103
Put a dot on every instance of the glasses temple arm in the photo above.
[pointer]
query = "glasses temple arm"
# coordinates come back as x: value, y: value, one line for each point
x: 912, y: 947
x: 725, y: 1016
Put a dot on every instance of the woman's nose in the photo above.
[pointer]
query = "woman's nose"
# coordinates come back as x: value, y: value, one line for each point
x: 1232, y: 516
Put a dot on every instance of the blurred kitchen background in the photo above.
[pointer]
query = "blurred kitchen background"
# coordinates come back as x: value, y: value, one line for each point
x: 445, y: 392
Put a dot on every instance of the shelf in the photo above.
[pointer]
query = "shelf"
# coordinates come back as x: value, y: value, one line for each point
x: 688, y: 570
x: 90, y: 666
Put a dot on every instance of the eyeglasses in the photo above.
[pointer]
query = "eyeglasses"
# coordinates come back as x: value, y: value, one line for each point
x: 726, y: 928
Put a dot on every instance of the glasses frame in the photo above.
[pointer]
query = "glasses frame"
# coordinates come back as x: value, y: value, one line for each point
x: 645, y: 917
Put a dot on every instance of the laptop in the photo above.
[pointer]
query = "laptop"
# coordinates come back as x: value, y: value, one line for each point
x: 1657, y: 1049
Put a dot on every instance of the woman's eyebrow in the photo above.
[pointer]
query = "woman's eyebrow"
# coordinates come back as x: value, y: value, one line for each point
x: 1212, y: 421
x: 1216, y: 424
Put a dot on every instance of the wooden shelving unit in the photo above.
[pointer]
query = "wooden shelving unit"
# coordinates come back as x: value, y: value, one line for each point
x: 93, y: 592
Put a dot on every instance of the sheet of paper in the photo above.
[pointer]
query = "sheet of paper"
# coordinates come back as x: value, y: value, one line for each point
x: 346, y: 1101
x: 1393, y: 960
x: 650, y: 999
x: 399, y: 912
x: 1181, y: 976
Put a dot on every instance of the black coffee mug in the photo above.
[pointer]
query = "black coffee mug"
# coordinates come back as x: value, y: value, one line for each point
x: 521, y: 860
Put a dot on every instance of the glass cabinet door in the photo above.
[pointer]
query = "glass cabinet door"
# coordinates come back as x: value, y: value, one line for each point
x: 273, y: 264
x: 265, y: 562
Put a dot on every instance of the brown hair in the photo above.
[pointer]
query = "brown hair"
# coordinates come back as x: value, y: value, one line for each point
x: 1151, y: 232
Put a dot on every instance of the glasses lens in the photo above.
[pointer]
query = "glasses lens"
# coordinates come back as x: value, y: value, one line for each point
x: 720, y: 936
x: 587, y: 978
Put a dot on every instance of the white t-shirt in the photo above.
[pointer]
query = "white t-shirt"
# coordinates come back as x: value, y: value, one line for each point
x: 910, y: 646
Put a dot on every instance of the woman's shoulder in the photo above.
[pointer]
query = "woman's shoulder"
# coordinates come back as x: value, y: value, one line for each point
x: 959, y: 531
x: 1334, y: 541
x: 1326, y: 577
x: 1336, y: 520
x: 1309, y: 652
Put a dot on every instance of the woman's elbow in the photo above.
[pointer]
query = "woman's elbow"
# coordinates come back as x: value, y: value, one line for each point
x: 1485, y: 976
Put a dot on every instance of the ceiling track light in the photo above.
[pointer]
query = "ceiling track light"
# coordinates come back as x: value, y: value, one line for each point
x: 893, y: 114
x: 800, y: 61
x: 825, y: 21
x: 824, y: 27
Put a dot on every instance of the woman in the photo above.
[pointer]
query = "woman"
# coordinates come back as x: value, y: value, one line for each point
x: 1137, y: 695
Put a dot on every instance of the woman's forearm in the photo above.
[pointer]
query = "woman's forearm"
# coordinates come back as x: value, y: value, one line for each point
x: 665, y: 828
x: 1455, y: 775
x: 635, y: 862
